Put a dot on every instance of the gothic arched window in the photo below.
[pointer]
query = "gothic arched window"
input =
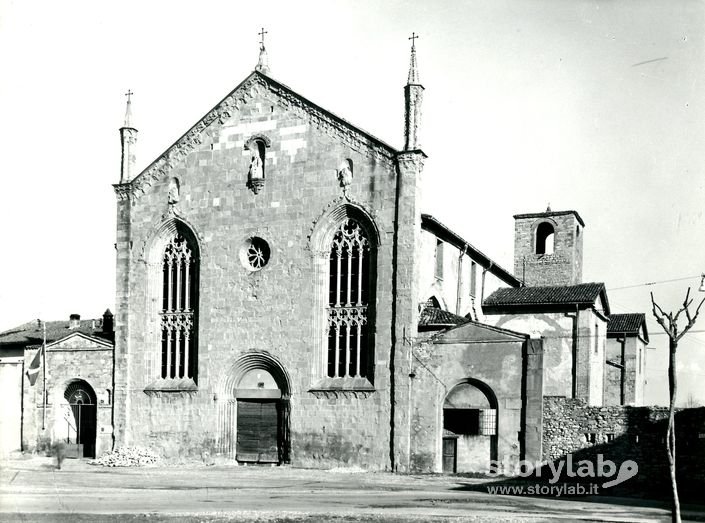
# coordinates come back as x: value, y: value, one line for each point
x: 179, y: 308
x: 349, y: 297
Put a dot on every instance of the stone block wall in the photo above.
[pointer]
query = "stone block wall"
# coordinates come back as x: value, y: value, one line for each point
x: 622, y: 433
x: 564, y: 265
x: 76, y: 358
x: 277, y: 310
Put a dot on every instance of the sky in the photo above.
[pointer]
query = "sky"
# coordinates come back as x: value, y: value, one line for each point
x: 596, y: 106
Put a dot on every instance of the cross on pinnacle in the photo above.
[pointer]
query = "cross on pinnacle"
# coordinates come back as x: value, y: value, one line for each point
x: 129, y: 93
x: 413, y: 38
x: 261, y: 34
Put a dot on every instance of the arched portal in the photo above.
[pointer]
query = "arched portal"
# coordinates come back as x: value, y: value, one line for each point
x: 469, y: 427
x: 79, y: 421
x: 255, y: 411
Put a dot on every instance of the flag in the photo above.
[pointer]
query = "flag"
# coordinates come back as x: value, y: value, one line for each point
x: 35, y: 366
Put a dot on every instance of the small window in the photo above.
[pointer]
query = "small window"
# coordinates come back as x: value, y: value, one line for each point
x: 597, y: 339
x: 473, y: 279
x: 591, y: 437
x: 610, y: 437
x: 545, y: 235
x: 471, y: 422
x: 439, y: 259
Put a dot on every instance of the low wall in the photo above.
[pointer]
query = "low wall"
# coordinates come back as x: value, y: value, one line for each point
x: 623, y: 433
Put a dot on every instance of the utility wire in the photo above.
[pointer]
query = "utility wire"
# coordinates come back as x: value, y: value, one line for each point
x: 652, y: 283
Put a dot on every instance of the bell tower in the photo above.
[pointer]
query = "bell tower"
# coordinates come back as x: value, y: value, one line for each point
x: 548, y: 248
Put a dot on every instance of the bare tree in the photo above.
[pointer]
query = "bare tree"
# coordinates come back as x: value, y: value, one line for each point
x: 691, y: 402
x: 669, y: 323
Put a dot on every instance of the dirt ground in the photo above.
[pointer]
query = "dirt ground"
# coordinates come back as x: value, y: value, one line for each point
x: 31, y: 489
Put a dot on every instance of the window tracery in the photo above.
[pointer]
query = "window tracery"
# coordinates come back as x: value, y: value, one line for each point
x: 348, y: 302
x: 178, y: 315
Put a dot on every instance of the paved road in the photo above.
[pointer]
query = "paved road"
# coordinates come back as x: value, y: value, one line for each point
x: 32, y: 490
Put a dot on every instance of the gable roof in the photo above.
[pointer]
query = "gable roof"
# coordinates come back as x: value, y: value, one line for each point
x: 431, y: 224
x: 581, y: 294
x: 629, y: 323
x: 476, y: 332
x: 437, y: 317
x: 257, y: 81
x: 31, y: 334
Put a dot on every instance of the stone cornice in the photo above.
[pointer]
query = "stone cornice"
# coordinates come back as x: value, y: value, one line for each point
x: 256, y: 84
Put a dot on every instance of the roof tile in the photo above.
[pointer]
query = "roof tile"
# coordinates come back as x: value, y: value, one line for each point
x: 553, y: 295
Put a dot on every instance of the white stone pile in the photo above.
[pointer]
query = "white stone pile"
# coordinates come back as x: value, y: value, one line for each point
x: 127, y: 457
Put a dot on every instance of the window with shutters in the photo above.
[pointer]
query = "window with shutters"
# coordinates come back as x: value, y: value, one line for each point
x: 178, y: 315
x: 349, y: 344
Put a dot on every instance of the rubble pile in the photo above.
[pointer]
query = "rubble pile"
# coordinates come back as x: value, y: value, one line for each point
x: 127, y: 457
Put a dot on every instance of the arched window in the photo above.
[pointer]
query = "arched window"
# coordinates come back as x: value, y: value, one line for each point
x: 545, y: 234
x: 179, y: 308
x: 349, y: 289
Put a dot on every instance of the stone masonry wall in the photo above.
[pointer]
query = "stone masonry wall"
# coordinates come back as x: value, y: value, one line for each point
x: 564, y: 266
x: 74, y: 359
x: 622, y: 433
x: 270, y: 311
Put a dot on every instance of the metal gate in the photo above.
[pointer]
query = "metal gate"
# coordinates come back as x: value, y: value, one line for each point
x: 80, y: 421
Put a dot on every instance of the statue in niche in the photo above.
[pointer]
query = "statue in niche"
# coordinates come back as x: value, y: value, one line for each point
x: 255, y: 175
x: 173, y: 196
x: 256, y: 168
x: 345, y: 175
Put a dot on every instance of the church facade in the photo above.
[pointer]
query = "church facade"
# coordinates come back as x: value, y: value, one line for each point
x: 269, y: 285
x: 281, y: 298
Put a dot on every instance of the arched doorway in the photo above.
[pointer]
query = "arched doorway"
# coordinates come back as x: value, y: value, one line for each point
x: 79, y: 420
x: 255, y: 411
x: 469, y: 427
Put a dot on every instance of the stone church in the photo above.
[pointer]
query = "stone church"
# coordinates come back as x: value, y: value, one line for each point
x: 281, y: 298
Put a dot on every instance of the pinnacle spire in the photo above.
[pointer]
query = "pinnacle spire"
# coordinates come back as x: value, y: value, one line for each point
x: 413, y: 69
x: 128, y: 109
x: 263, y: 61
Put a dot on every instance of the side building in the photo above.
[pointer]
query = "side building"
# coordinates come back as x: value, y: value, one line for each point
x: 59, y: 386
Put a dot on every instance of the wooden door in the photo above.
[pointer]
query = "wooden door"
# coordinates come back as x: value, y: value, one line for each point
x: 450, y: 451
x: 257, y: 431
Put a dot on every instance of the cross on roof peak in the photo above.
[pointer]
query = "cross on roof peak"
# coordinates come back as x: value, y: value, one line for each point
x: 129, y: 94
x: 261, y: 35
x: 413, y: 38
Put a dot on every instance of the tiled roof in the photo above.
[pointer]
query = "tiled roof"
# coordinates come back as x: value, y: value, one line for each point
x: 583, y: 293
x: 435, y: 317
x: 31, y: 334
x: 626, y: 322
x: 630, y: 323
